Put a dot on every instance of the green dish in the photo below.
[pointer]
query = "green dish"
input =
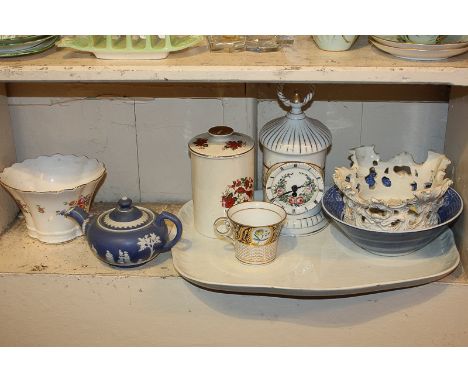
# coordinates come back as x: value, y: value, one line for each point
x: 129, y: 46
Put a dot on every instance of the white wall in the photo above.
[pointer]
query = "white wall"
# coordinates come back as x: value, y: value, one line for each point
x: 143, y: 142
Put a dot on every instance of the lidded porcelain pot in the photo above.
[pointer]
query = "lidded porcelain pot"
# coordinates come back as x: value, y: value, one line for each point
x: 222, y: 174
x: 294, y: 152
x: 127, y: 235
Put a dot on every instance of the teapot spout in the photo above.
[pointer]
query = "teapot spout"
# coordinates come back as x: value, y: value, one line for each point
x: 80, y: 216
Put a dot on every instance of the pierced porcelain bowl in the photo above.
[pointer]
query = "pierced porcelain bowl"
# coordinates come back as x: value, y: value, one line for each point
x: 398, y: 195
x: 46, y: 186
x: 392, y: 243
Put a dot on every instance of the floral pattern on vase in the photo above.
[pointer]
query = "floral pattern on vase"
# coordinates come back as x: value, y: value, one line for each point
x: 83, y: 201
x: 241, y: 190
x: 23, y: 206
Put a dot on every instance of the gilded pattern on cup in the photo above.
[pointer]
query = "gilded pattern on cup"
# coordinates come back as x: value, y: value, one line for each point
x: 255, y: 236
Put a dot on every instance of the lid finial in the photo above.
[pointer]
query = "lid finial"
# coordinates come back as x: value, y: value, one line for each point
x: 296, y: 103
x: 125, y: 203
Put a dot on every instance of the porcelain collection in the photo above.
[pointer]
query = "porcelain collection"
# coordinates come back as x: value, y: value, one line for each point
x: 386, y: 207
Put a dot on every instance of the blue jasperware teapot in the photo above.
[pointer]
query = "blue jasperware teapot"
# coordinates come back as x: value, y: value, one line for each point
x: 127, y: 236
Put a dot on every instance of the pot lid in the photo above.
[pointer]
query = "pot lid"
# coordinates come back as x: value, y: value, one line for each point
x: 126, y: 216
x: 295, y: 133
x: 221, y: 142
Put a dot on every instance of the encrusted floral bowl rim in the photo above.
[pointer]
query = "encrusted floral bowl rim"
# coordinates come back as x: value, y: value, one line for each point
x: 358, y: 198
x: 101, y: 173
x: 339, y: 220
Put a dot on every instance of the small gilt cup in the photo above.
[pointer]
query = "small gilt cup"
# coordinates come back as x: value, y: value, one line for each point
x: 253, y: 228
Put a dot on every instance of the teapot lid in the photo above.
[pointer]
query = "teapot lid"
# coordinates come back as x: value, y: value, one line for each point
x: 126, y: 216
x: 221, y: 142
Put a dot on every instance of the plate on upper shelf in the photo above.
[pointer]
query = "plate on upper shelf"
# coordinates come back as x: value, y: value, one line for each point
x: 324, y: 264
x: 419, y: 54
x: 20, y: 39
x: 448, y: 42
x: 29, y: 47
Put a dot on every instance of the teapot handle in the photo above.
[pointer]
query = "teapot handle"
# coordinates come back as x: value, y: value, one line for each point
x: 160, y: 221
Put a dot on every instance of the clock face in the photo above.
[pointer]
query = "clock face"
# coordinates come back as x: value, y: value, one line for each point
x: 295, y: 186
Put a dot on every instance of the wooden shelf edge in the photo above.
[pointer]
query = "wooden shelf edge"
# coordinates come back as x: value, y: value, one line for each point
x: 302, y: 62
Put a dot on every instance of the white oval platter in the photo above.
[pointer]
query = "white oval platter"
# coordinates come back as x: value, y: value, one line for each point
x: 324, y: 264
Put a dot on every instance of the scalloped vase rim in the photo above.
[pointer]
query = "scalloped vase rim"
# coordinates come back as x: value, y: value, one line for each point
x: 100, y: 170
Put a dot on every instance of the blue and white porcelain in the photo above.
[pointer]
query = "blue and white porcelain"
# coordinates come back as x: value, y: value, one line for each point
x: 392, y: 243
x: 127, y: 236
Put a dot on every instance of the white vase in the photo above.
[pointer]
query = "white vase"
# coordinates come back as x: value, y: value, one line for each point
x: 45, y: 187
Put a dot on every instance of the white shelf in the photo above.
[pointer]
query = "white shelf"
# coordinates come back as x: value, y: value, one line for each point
x: 21, y: 254
x: 303, y: 62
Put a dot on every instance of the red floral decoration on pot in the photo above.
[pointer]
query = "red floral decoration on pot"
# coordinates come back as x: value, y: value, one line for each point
x: 201, y: 143
x: 241, y: 190
x: 233, y: 145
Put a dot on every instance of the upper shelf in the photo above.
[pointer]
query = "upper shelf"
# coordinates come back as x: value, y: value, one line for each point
x: 303, y: 62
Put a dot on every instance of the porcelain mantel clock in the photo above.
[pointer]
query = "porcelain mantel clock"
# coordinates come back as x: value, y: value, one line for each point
x: 294, y: 151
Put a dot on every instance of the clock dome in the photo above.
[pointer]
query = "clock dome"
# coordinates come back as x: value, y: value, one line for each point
x: 295, y: 133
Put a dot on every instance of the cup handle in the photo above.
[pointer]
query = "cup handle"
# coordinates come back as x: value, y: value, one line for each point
x: 224, y: 234
x: 160, y: 221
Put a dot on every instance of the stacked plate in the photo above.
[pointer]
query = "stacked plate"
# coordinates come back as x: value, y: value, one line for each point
x: 14, y: 45
x: 404, y: 47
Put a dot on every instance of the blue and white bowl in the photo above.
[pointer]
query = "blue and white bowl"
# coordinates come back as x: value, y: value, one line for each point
x: 392, y: 243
